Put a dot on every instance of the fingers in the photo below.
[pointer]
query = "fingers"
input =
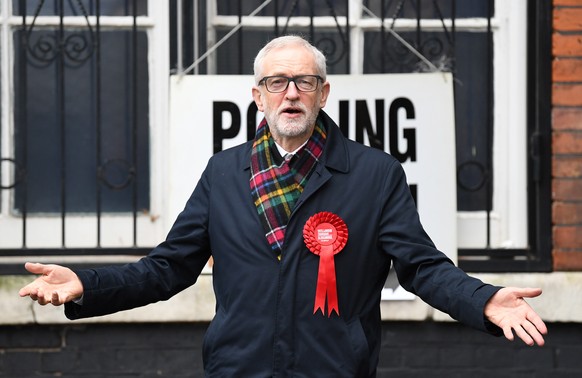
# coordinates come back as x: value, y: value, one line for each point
x: 28, y: 291
x: 38, y: 295
x: 538, y: 323
x: 537, y: 337
x: 36, y: 268
x: 524, y: 335
x: 25, y: 291
x: 54, y: 286
x: 533, y: 325
x: 536, y: 328
x: 55, y: 299
x: 44, y: 299
x: 32, y: 288
x: 527, y: 292
x: 508, y: 333
x: 530, y: 332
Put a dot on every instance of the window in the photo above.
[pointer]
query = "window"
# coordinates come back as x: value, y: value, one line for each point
x: 77, y: 131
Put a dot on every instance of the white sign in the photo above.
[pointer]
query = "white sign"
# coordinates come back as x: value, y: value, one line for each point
x: 410, y: 116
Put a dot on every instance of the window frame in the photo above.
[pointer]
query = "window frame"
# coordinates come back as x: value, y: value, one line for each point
x: 537, y: 256
x: 38, y: 236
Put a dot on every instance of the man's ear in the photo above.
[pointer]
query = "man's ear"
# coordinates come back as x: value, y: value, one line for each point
x: 258, y: 97
x: 324, y: 94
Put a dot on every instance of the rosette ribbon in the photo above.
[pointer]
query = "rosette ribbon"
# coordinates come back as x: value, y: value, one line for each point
x: 325, y: 234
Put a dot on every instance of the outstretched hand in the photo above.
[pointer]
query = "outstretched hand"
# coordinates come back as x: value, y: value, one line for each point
x: 508, y: 310
x: 56, y: 284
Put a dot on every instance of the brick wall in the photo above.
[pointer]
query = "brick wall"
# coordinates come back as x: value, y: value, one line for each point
x: 409, y: 349
x: 170, y: 350
x: 567, y: 135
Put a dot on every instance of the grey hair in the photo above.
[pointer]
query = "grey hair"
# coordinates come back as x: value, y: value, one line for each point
x: 285, y: 41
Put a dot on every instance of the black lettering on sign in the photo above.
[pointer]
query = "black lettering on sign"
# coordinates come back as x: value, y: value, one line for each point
x: 363, y: 122
x: 344, y: 117
x: 363, y: 125
x: 251, y: 121
x: 219, y: 132
x: 409, y: 133
x: 414, y: 192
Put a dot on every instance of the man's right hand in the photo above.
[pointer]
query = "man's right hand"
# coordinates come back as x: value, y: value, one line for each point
x: 56, y: 284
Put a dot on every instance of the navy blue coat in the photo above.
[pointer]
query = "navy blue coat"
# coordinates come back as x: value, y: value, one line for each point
x: 264, y: 324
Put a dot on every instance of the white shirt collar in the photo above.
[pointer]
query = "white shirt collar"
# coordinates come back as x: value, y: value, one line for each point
x: 284, y: 153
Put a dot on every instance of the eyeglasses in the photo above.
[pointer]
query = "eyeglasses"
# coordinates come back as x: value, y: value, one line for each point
x: 278, y: 84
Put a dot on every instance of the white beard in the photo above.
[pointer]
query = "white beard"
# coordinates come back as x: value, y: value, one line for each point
x: 289, y: 128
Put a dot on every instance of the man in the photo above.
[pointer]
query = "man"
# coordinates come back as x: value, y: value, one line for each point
x: 303, y: 225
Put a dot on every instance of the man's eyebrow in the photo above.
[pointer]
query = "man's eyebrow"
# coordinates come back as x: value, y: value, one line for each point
x: 292, y: 76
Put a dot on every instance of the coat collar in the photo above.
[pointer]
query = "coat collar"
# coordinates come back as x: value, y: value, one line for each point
x: 335, y: 153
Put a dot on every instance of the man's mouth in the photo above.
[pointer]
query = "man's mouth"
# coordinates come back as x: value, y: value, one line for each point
x: 291, y: 111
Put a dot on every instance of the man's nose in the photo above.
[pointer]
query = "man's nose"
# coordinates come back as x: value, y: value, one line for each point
x: 292, y: 91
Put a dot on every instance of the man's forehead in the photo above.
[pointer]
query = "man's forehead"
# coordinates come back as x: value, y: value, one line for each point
x: 292, y: 57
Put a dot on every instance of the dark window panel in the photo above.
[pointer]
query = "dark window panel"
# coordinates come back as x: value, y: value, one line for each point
x: 3, y: 163
x: 299, y: 8
x: 189, y: 26
x: 87, y: 7
x: 44, y: 146
x: 428, y: 9
x: 394, y: 57
x: 471, y: 91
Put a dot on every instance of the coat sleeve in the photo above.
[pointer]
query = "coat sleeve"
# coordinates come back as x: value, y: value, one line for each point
x: 420, y: 267
x: 171, y: 267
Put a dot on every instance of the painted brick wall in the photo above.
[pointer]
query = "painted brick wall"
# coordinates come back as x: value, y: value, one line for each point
x: 173, y: 350
x: 567, y: 135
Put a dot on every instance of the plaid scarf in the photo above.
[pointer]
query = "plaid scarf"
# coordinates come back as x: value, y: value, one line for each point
x: 277, y: 183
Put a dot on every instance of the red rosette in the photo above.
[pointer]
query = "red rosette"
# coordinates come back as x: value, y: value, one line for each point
x: 325, y: 234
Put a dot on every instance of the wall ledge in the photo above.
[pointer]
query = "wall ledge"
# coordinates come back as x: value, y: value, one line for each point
x: 561, y: 301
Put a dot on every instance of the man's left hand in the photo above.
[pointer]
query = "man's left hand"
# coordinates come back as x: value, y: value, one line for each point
x: 508, y: 310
